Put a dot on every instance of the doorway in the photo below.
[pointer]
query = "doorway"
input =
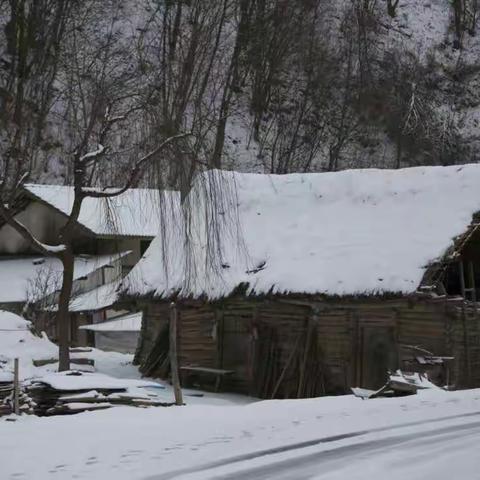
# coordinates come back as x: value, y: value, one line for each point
x: 377, y: 356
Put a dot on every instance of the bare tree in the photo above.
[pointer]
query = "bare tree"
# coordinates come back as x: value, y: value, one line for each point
x: 93, y: 106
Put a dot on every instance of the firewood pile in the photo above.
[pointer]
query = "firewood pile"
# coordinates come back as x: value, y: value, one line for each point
x: 26, y: 404
x: 50, y: 400
x: 6, y: 391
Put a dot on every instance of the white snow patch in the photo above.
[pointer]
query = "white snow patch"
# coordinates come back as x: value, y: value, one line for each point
x: 18, y: 341
x: 72, y: 380
x: 95, y: 299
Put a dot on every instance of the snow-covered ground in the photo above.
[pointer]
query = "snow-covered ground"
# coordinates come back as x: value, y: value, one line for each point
x: 18, y: 340
x: 178, y: 442
x: 229, y: 436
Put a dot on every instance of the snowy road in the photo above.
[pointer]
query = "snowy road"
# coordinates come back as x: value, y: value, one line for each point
x: 432, y: 435
x: 419, y: 450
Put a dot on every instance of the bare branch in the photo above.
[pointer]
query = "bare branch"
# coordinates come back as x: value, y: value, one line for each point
x: 135, y: 173
x: 91, y: 156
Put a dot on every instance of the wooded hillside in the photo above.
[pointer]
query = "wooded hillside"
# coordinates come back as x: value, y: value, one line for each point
x: 270, y: 86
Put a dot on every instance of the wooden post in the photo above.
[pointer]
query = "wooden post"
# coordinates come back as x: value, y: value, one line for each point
x: 466, y: 347
x: 462, y: 279
x: 471, y: 279
x: 16, y: 388
x: 173, y: 354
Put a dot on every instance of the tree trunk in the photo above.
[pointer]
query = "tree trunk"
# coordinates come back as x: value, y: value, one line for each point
x: 231, y: 82
x: 63, y: 317
x: 398, y: 161
x: 458, y: 7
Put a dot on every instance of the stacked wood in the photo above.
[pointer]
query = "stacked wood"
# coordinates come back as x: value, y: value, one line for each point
x: 6, y: 391
x: 51, y: 401
x: 26, y: 403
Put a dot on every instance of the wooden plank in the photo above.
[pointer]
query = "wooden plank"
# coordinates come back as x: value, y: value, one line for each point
x: 213, y: 371
x: 16, y: 387
x: 173, y: 354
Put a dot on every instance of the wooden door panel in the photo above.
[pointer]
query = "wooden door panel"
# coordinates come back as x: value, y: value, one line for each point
x: 378, y: 355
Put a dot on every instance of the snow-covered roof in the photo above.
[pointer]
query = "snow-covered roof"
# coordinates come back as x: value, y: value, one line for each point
x: 98, y: 298
x: 346, y: 233
x: 18, y: 273
x: 133, y: 213
x: 131, y: 322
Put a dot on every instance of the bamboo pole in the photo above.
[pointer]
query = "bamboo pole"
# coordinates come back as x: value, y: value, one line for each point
x: 16, y: 388
x: 173, y: 354
x: 285, y: 368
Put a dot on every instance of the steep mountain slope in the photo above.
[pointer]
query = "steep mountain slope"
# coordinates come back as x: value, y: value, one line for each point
x: 272, y: 86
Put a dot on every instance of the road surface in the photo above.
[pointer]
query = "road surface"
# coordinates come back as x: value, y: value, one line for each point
x: 440, y: 450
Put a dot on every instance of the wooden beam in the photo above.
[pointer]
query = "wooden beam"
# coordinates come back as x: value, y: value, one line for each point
x: 462, y: 278
x: 177, y: 390
x: 16, y: 388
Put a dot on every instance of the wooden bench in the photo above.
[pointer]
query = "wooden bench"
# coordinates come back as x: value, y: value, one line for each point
x: 218, y: 373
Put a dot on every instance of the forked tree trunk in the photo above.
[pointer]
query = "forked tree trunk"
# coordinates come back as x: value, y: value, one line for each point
x: 63, y: 319
x: 392, y: 7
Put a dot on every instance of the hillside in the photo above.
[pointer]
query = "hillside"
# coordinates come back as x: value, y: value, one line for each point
x: 275, y: 86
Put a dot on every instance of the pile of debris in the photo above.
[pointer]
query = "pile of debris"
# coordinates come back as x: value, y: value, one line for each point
x: 74, y: 392
x: 398, y: 384
x: 7, y: 402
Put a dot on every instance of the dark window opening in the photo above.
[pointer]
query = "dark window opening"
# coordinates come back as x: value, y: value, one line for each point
x: 144, y: 244
x: 471, y: 279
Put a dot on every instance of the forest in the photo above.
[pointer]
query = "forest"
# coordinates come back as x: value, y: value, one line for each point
x: 274, y: 86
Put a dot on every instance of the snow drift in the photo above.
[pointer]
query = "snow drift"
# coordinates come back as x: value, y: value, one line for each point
x: 18, y: 341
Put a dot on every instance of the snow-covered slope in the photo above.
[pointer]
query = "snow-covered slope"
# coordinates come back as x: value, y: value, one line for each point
x: 351, y: 232
x: 18, y: 341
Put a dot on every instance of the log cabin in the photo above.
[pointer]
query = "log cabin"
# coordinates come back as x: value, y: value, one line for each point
x: 301, y: 285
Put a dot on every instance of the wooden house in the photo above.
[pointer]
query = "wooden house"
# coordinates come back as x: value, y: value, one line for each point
x: 317, y: 282
x: 111, y: 236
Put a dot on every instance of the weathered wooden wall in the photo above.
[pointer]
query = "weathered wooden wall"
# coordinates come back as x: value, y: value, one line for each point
x: 306, y: 346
